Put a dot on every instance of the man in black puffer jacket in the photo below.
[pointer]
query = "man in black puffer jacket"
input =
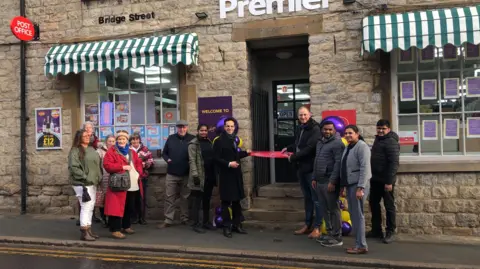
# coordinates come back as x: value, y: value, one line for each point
x: 303, y: 157
x: 384, y: 161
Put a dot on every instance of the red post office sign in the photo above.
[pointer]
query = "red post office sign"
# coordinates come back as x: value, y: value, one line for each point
x: 22, y: 28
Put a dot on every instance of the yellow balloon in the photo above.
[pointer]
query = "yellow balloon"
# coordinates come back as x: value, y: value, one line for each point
x: 215, y: 139
x: 231, y: 214
x: 240, y: 143
x: 345, y: 216
x: 350, y: 222
x: 323, y: 228
x: 344, y: 141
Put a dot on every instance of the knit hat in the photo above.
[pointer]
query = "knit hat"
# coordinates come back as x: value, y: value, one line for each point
x: 122, y: 133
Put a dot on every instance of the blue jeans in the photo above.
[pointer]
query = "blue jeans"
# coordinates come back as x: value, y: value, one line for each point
x: 311, y: 201
x: 355, y: 207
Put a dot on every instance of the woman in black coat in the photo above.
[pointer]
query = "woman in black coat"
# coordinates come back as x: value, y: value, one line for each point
x: 227, y: 159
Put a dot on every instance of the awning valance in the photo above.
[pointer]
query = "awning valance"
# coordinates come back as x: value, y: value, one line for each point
x: 421, y: 29
x: 113, y: 54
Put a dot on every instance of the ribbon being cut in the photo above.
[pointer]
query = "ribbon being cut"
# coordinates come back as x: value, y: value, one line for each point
x: 270, y: 154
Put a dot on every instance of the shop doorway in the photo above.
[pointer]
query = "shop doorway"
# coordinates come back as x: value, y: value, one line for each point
x: 280, y: 68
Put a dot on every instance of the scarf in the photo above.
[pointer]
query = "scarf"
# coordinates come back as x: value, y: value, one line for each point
x: 232, y: 137
x: 123, y: 150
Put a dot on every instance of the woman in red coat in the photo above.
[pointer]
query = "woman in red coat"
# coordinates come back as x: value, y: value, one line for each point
x: 119, y: 205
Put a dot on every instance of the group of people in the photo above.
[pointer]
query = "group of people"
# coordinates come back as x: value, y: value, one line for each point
x: 328, y: 167
x: 195, y: 166
x: 95, y: 171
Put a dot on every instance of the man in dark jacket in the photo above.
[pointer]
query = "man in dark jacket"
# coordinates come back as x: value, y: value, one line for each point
x: 175, y: 153
x: 303, y: 156
x: 326, y: 181
x: 384, y: 161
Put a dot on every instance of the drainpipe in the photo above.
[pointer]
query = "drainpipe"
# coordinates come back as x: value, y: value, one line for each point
x: 23, y: 121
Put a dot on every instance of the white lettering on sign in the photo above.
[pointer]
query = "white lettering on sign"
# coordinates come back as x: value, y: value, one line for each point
x: 262, y: 7
x: 23, y: 28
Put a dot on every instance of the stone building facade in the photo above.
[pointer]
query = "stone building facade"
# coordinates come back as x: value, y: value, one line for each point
x: 437, y: 195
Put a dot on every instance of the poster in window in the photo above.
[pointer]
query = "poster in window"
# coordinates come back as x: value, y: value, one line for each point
x: 450, y: 88
x: 407, y: 91
x: 473, y: 87
x: 472, y: 52
x: 405, y: 56
x: 429, y: 129
x: 140, y: 130
x: 473, y: 127
x: 106, y: 113
x: 122, y: 116
x: 93, y: 118
x: 48, y: 128
x: 154, y: 137
x: 167, y: 130
x: 429, y: 89
x: 407, y: 138
x: 451, y: 128
x: 428, y: 54
x: 91, y: 108
x: 104, y: 132
x: 450, y: 53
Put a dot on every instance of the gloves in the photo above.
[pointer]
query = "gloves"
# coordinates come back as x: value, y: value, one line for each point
x: 196, y: 181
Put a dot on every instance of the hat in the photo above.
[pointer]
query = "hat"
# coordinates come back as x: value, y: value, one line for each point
x: 122, y: 133
x: 182, y: 123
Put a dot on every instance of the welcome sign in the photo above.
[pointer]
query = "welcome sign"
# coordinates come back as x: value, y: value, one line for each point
x: 262, y: 7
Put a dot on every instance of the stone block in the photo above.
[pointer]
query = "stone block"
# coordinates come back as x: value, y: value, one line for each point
x: 427, y: 179
x: 51, y: 190
x: 403, y: 220
x: 467, y: 220
x: 68, y: 210
x: 420, y: 220
x: 44, y: 200
x: 53, y: 211
x: 469, y: 192
x: 414, y: 205
x: 444, y: 220
x: 9, y: 189
x: 465, y: 179
x: 59, y: 201
x: 457, y: 231
x: 432, y: 206
x: 444, y: 192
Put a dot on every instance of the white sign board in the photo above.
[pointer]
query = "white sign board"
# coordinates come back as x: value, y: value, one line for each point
x: 262, y: 7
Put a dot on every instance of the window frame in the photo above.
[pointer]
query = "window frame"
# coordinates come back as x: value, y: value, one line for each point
x: 394, y: 104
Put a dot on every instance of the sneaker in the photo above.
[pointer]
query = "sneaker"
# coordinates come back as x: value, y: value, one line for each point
x: 372, y: 234
x: 322, y: 238
x: 332, y: 242
x: 389, y: 238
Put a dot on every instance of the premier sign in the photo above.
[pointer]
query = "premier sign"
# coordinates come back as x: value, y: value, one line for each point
x: 262, y: 7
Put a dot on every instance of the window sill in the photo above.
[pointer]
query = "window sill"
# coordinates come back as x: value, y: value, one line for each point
x: 432, y: 164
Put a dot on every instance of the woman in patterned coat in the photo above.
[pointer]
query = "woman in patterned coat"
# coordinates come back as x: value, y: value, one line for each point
x: 100, y: 201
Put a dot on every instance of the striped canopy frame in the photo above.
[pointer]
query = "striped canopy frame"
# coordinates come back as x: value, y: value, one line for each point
x: 122, y: 54
x: 421, y: 29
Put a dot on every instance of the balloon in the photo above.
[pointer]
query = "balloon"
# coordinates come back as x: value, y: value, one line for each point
x: 218, y: 210
x: 323, y: 228
x: 239, y: 149
x: 345, y: 216
x: 220, y: 124
x: 237, y: 140
x: 337, y: 122
x: 345, y: 142
x: 346, y: 228
x: 230, y: 211
x: 341, y: 205
x: 240, y: 143
x: 218, y: 221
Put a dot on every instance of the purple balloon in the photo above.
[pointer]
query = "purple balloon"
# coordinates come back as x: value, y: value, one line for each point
x: 218, y: 221
x: 337, y: 122
x: 218, y: 210
x: 342, y: 206
x: 239, y: 149
x: 220, y: 124
x: 346, y: 228
x: 237, y: 140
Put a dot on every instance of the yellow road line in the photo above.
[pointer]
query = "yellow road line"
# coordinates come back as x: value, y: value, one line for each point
x: 155, y: 258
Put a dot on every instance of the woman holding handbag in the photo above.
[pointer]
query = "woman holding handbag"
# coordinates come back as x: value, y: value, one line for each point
x: 85, y: 174
x: 125, y: 169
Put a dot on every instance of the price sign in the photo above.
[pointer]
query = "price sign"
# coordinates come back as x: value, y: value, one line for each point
x: 48, y: 128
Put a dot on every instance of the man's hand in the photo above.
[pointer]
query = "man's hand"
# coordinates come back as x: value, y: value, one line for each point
x: 284, y: 150
x: 196, y: 181
x: 331, y: 187
x: 169, y: 160
x: 249, y: 151
x: 388, y: 187
x: 359, y: 193
x: 233, y: 164
x: 314, y: 184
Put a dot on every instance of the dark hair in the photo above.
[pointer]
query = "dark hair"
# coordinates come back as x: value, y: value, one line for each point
x: 383, y: 122
x: 135, y: 135
x: 202, y: 125
x: 355, y: 129
x: 229, y: 119
x: 327, y: 122
x: 77, y: 143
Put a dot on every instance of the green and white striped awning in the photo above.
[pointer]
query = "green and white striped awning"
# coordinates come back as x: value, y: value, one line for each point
x: 421, y: 29
x: 110, y: 55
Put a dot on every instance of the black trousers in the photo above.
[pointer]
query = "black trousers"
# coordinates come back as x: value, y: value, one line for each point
x: 237, y: 216
x: 119, y: 223
x: 141, y: 203
x: 377, y: 193
x: 195, y: 201
x: 207, y: 196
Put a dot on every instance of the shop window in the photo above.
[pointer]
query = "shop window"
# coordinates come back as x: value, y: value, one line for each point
x: 437, y: 93
x: 140, y: 99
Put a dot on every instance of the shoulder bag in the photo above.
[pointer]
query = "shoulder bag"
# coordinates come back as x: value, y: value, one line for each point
x: 120, y: 182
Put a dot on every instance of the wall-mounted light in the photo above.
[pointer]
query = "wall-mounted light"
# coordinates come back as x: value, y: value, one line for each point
x: 201, y: 15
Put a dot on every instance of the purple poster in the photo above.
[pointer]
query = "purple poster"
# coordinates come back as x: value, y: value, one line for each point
x: 211, y: 109
x: 429, y: 130
x: 472, y: 51
x: 407, y: 91
x: 428, y: 54
x: 451, y: 128
x: 473, y: 127
x: 449, y: 52
x: 48, y: 128
x: 429, y: 89
x: 450, y: 88
x: 406, y: 56
x: 473, y: 87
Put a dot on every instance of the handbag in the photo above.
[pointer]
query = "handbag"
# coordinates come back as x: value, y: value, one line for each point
x: 120, y: 182
x: 85, y: 196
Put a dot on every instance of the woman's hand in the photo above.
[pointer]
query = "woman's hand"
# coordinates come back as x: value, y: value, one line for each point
x: 359, y: 193
x: 127, y: 167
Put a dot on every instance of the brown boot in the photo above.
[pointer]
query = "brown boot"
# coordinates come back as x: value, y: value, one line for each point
x: 315, y: 234
x: 128, y: 231
x: 86, y: 235
x: 118, y: 235
x: 89, y: 230
x: 303, y: 230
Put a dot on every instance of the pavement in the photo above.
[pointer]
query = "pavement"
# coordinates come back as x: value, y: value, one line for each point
x: 273, y: 245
